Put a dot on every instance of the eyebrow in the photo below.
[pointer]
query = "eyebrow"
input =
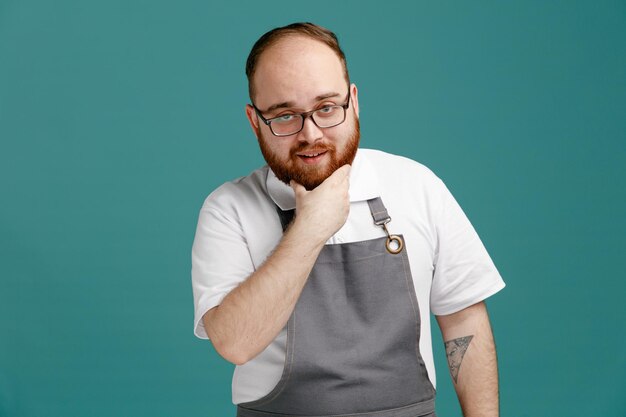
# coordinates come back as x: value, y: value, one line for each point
x: 287, y: 104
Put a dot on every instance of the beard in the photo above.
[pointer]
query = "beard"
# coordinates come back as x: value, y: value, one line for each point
x: 310, y: 176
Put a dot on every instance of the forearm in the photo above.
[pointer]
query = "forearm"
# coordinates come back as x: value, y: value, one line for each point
x: 252, y: 315
x: 471, y: 353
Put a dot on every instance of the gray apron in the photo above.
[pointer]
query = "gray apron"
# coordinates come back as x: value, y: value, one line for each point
x: 353, y: 337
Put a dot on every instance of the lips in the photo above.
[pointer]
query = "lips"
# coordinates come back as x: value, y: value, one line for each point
x: 311, y: 153
x: 311, y: 156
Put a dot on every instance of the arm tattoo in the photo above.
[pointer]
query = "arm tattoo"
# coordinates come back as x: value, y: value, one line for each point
x: 455, y: 350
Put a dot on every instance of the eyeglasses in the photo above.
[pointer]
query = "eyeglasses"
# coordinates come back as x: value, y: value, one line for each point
x: 292, y: 123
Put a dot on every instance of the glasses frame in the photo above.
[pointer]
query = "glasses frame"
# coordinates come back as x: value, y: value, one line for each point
x: 304, y: 116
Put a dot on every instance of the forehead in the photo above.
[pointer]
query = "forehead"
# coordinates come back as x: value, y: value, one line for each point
x: 297, y: 69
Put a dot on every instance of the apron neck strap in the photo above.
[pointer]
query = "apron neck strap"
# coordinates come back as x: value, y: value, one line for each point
x: 377, y: 208
x: 379, y: 212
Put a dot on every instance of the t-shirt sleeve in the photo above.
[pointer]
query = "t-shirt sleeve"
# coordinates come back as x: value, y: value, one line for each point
x: 220, y: 260
x: 464, y: 272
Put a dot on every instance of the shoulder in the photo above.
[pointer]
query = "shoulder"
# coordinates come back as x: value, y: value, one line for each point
x: 239, y: 193
x: 400, y: 169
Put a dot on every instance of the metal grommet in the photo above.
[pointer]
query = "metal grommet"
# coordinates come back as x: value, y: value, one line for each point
x: 399, y: 243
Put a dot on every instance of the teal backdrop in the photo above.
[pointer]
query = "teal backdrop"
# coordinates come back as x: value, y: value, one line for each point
x: 117, y: 118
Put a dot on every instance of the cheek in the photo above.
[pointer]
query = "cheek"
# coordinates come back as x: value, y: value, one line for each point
x: 280, y: 149
x: 340, y: 137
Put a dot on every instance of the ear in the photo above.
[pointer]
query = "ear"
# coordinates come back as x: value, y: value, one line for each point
x: 253, y: 119
x: 354, y: 99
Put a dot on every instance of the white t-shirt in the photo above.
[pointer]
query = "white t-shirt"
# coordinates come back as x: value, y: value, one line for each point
x: 238, y: 227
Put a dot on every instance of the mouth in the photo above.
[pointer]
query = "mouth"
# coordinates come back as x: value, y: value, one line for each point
x: 312, y: 156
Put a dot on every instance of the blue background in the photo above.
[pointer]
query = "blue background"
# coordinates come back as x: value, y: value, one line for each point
x: 117, y: 118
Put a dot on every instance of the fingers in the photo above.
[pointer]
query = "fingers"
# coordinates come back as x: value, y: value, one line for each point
x: 343, y: 171
x: 297, y: 188
x: 325, y: 209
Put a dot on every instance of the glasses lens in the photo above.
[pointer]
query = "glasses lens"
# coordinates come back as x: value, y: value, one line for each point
x: 329, y: 116
x: 287, y: 124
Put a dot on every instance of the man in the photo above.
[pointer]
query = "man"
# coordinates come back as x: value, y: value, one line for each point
x: 325, y: 310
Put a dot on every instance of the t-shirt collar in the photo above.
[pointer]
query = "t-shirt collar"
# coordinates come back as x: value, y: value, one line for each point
x: 363, y: 184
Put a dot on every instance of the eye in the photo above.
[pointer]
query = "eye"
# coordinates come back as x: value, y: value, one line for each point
x: 326, y: 109
x: 284, y: 118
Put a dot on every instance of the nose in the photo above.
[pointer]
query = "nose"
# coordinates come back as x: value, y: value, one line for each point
x: 310, y: 132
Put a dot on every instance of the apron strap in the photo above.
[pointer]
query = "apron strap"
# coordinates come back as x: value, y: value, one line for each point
x: 377, y: 209
x: 394, y: 243
x: 379, y: 212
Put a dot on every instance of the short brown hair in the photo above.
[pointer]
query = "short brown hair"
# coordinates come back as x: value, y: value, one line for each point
x: 307, y: 29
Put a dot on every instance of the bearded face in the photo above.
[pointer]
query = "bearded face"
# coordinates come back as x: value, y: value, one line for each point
x: 309, y: 164
x: 297, y: 75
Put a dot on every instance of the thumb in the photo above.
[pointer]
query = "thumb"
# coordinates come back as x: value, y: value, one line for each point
x: 342, y: 172
x: 297, y: 188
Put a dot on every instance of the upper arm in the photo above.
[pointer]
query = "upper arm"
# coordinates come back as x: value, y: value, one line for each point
x: 220, y: 261
x: 464, y: 322
x: 464, y: 273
